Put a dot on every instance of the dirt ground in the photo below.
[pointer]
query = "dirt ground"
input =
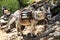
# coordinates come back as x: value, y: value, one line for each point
x: 7, y: 36
x: 3, y: 35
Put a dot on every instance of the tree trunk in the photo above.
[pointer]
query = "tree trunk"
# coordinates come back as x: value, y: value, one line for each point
x: 21, y: 3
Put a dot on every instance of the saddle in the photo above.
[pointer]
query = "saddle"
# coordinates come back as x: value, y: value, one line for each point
x: 26, y: 16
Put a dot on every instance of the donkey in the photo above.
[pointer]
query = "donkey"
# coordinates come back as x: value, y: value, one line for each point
x: 31, y: 18
x: 26, y: 17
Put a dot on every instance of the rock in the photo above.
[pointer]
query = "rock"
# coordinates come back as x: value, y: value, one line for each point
x: 51, y: 38
x: 44, y: 38
x: 26, y: 30
x: 39, y: 29
x: 56, y: 33
x: 58, y: 29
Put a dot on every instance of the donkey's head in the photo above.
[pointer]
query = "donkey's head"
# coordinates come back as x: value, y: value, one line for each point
x: 39, y: 15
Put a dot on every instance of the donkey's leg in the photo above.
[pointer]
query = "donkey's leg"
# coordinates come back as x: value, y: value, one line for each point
x: 19, y: 31
x: 16, y: 22
x: 0, y: 25
x: 33, y: 24
x: 18, y: 27
x: 10, y: 22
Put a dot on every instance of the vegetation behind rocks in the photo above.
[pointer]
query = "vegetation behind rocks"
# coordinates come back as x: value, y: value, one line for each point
x: 13, y: 5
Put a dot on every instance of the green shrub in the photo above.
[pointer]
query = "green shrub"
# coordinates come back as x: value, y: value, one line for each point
x: 26, y: 2
x: 12, y: 5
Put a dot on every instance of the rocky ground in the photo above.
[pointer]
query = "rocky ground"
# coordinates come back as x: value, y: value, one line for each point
x: 47, y: 35
x: 48, y: 31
